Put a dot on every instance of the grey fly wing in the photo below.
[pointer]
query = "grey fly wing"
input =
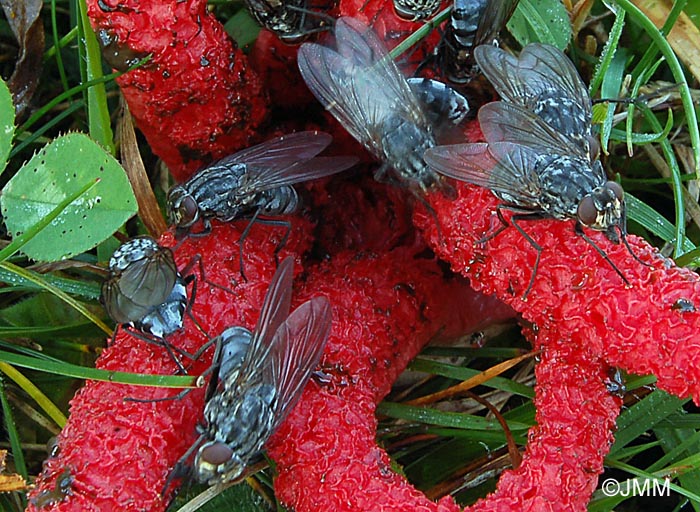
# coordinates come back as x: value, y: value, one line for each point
x: 505, y: 122
x: 296, y: 350
x: 544, y: 67
x: 319, y: 167
x: 149, y: 282
x: 501, y: 69
x: 359, y: 44
x: 502, y: 167
x: 330, y: 78
x: 493, y: 19
x: 274, y: 311
x: 281, y: 152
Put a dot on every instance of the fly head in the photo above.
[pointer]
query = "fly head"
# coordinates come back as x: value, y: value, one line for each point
x: 604, y: 210
x: 183, y: 210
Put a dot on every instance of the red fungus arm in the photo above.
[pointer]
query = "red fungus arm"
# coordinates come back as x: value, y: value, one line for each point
x: 196, y: 100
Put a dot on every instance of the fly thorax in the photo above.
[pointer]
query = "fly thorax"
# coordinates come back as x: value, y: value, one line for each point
x: 234, y: 346
x: 239, y: 423
x: 565, y: 115
x: 278, y: 201
x: 136, y: 249
x: 564, y: 181
x: 404, y: 145
x: 603, y: 209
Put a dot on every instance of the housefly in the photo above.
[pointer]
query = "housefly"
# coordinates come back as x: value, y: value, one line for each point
x: 290, y: 20
x: 257, y: 180
x: 415, y: 10
x: 361, y: 86
x: 145, y: 291
x: 541, y: 166
x: 472, y: 23
x: 259, y: 378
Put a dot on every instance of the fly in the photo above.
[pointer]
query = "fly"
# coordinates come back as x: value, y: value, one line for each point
x: 145, y: 292
x: 472, y: 23
x: 361, y: 86
x: 415, y: 10
x: 258, y: 378
x: 540, y: 163
x: 255, y: 181
x: 290, y: 20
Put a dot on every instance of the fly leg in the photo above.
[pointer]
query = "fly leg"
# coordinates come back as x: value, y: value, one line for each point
x: 268, y: 222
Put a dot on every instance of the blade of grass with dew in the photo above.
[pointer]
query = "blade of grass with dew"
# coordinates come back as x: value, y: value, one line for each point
x: 85, y: 289
x: 12, y: 434
x: 81, y: 372
x: 442, y: 418
x: 651, y: 220
x: 639, y: 139
x: 544, y: 21
x: 419, y: 34
x: 33, y: 137
x: 35, y: 393
x: 676, y: 182
x: 72, y: 92
x: 80, y: 308
x: 643, y: 78
x: 98, y: 115
x: 642, y: 416
x: 610, y: 88
x: 56, y: 42
x: 672, y: 440
x: 660, y: 41
x: 608, y: 52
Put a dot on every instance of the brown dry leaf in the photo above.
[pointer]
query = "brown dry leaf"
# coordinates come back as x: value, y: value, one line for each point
x: 23, y: 17
x: 684, y: 37
x: 10, y: 482
x: 131, y: 161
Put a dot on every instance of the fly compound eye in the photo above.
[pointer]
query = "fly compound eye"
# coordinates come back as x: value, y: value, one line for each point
x: 187, y: 212
x: 587, y: 212
x: 216, y: 454
x: 616, y: 189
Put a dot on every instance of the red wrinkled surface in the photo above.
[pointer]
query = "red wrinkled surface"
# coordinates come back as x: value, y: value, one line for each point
x: 197, y: 99
x: 586, y: 319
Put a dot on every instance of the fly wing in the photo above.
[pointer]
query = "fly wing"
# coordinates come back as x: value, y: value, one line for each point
x: 505, y: 122
x: 544, y: 67
x: 502, y: 71
x: 540, y: 69
x: 149, y: 282
x: 359, y: 83
x: 274, y: 311
x: 494, y: 18
x: 281, y: 152
x: 295, y: 351
x: 506, y: 169
x: 332, y: 79
x: 260, y: 179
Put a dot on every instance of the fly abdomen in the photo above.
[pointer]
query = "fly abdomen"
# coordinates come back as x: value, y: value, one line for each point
x: 403, y: 144
x: 464, y: 20
x: 278, y: 201
x: 168, y: 317
x: 415, y: 10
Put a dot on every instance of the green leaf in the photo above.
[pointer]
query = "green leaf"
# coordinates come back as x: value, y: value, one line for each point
x: 544, y: 21
x: 7, y: 123
x: 58, y: 170
x: 242, y: 28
